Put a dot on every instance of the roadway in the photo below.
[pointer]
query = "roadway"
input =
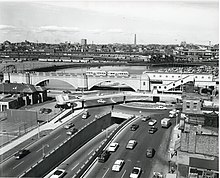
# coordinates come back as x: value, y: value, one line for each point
x: 121, y: 95
x: 77, y: 159
x: 137, y: 156
x: 13, y: 168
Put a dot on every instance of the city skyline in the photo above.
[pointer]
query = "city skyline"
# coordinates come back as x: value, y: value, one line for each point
x: 104, y: 22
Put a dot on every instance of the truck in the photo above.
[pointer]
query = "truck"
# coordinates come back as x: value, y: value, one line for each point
x: 165, y: 122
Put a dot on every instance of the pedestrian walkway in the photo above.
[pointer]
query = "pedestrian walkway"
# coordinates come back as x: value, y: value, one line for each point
x: 52, y: 124
x: 174, y: 145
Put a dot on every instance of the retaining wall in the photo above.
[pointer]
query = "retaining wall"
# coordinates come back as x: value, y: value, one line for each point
x: 65, y: 149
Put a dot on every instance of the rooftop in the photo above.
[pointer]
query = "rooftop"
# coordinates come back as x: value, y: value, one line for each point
x: 204, y: 163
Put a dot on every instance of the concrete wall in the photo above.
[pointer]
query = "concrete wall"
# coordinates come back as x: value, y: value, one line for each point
x: 207, y: 144
x: 199, y: 143
x: 69, y: 146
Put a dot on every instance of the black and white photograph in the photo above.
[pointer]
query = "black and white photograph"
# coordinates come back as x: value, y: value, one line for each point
x: 109, y: 88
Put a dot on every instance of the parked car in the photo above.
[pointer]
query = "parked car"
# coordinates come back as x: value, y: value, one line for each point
x: 113, y: 147
x: 71, y: 131
x: 58, y: 173
x: 118, y: 165
x: 145, y: 118
x: 21, y: 153
x: 101, y: 101
x: 152, y: 122
x: 150, y: 152
x: 103, y: 157
x: 131, y: 144
x: 134, y: 127
x: 152, y: 130
x: 45, y: 110
x: 41, y: 111
x: 136, y: 172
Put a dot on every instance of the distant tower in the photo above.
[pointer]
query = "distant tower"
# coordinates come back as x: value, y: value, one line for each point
x: 210, y: 43
x: 135, y: 42
x: 83, y: 42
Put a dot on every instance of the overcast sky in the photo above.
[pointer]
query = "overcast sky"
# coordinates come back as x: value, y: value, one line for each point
x: 103, y: 22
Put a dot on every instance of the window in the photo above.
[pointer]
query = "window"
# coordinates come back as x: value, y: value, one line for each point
x: 196, y: 77
x: 202, y: 76
x: 166, y: 76
x: 160, y: 76
x: 172, y: 76
x: 153, y: 75
x: 187, y: 105
x: 178, y: 76
x: 195, y: 105
x: 159, y: 86
x: 144, y: 83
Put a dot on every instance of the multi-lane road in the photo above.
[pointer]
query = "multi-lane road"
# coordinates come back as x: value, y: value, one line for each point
x: 12, y: 167
x: 137, y: 156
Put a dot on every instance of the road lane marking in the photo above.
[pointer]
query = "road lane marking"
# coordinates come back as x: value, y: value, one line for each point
x: 74, y: 166
x: 18, y: 165
x: 90, y: 152
x: 39, y: 150
x: 105, y: 173
x: 123, y: 174
x: 56, y: 137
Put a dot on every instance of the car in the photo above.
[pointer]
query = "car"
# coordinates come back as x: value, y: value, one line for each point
x: 113, y: 147
x: 69, y: 125
x: 21, y: 153
x: 152, y: 122
x: 134, y: 127
x: 71, y: 131
x: 103, y: 157
x: 41, y: 111
x: 145, y: 118
x: 136, y: 172
x: 117, y: 166
x: 101, y: 101
x: 152, y: 130
x: 131, y: 144
x: 45, y: 110
x: 67, y: 91
x: 161, y: 107
x: 58, y: 173
x: 157, y: 175
x: 85, y: 115
x: 171, y: 115
x: 150, y: 152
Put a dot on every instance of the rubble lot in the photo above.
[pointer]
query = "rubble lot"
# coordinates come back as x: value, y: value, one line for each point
x: 10, y: 130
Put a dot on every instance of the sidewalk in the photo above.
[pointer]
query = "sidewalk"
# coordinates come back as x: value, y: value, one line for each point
x: 173, y: 147
x: 52, y: 124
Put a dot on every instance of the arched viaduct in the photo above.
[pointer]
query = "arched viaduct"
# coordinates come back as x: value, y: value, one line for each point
x: 79, y: 81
